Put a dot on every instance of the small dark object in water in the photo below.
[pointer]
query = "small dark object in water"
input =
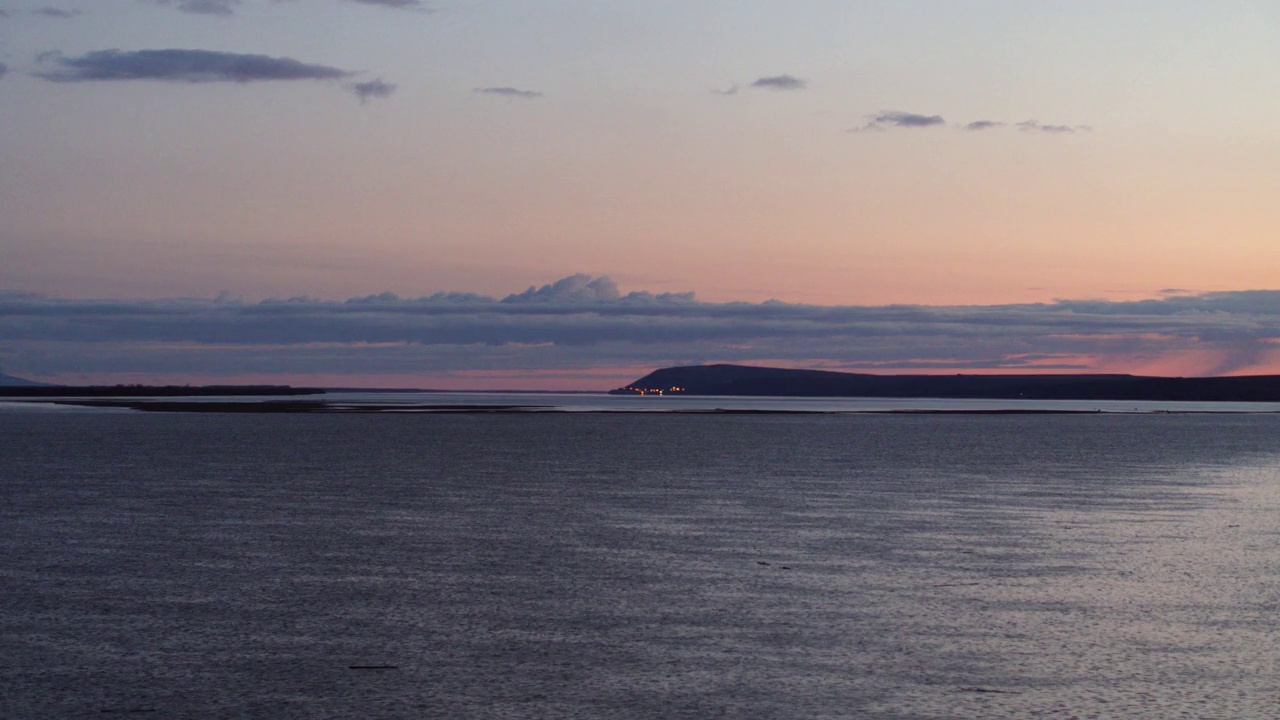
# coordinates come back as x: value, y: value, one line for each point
x: 989, y: 690
x: 761, y: 562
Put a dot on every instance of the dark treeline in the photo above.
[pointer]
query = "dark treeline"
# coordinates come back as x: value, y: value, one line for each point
x: 153, y: 391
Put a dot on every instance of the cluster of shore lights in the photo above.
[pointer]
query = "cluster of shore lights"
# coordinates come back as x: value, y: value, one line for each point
x: 654, y: 391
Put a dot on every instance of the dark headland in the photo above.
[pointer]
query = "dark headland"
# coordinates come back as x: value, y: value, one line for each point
x: 8, y: 381
x: 743, y: 380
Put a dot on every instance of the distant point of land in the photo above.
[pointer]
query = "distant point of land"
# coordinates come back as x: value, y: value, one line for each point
x: 8, y: 381
x: 744, y: 380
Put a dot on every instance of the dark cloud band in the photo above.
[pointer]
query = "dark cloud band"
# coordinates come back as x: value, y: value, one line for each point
x: 197, y: 66
x: 585, y: 322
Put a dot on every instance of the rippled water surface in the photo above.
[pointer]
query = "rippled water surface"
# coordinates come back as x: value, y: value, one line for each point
x: 639, y: 566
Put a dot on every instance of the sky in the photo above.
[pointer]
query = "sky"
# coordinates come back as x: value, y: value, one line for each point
x: 565, y: 194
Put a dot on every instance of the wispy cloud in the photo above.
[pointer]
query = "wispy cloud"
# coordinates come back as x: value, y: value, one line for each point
x: 58, y: 13
x: 229, y: 7
x: 47, y: 11
x: 584, y: 321
x: 898, y: 119
x: 978, y: 125
x: 372, y: 89
x: 202, y: 7
x: 398, y: 4
x: 509, y: 92
x: 780, y: 82
x: 1037, y: 126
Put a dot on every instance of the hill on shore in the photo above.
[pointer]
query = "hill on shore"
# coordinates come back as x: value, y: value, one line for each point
x: 767, y: 381
x: 11, y: 381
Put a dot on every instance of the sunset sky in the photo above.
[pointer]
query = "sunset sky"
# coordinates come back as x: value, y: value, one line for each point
x: 359, y: 192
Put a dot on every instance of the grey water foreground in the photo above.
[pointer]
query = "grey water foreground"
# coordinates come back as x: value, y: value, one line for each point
x: 598, y: 565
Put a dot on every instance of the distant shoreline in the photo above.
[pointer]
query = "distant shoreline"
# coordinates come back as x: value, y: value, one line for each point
x: 108, y: 391
x: 752, y: 381
x: 326, y: 407
x: 124, y: 391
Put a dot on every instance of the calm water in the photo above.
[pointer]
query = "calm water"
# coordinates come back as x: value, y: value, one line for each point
x: 639, y: 566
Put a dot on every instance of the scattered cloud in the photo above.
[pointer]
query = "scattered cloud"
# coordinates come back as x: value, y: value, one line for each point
x: 59, y: 13
x: 509, y: 92
x: 189, y: 66
x: 202, y: 7
x: 731, y: 90
x: 1037, y: 126
x: 584, y: 321
x: 373, y: 89
x: 903, y: 119
x: 228, y: 7
x: 780, y: 82
x: 47, y: 11
x: 898, y: 119
x: 197, y: 66
x: 4, y: 70
x: 398, y: 4
x: 977, y: 125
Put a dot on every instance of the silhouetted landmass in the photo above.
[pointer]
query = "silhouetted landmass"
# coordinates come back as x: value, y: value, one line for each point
x: 297, y: 407
x: 107, y: 391
x: 454, y: 391
x: 766, y: 381
x: 8, y: 381
x: 293, y: 407
x: 379, y: 390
